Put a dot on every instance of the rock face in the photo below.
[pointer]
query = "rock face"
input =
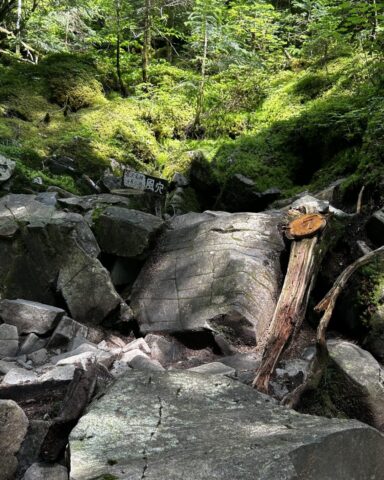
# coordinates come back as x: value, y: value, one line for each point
x: 126, y: 233
x: 45, y: 252
x: 13, y: 428
x: 366, y: 373
x: 30, y: 317
x: 186, y: 425
x: 213, y: 270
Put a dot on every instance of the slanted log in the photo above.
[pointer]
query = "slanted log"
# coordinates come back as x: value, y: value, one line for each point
x: 290, y: 309
x: 304, y: 262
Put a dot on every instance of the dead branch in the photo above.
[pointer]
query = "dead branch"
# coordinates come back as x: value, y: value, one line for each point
x: 327, y: 305
x: 360, y: 200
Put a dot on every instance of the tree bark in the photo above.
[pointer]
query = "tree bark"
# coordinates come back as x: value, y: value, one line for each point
x: 146, y: 40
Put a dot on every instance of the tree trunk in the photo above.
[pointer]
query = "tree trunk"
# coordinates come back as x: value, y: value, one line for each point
x: 18, y: 25
x: 200, y: 95
x: 118, y: 49
x: 147, y: 40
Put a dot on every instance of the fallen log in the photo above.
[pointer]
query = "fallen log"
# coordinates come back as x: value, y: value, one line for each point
x: 304, y: 262
x: 320, y: 361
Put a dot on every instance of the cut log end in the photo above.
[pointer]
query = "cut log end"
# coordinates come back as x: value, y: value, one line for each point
x: 306, y: 226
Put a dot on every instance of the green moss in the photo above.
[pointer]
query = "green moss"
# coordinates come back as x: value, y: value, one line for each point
x: 337, y: 396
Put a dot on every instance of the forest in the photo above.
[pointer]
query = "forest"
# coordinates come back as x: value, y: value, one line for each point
x: 287, y: 93
x: 191, y: 239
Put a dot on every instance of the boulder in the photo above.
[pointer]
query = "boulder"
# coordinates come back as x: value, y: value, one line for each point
x: 375, y: 228
x: 164, y: 350
x: 13, y: 428
x: 30, y: 449
x: 142, y: 363
x: 42, y: 471
x: 241, y: 195
x: 9, y: 340
x: 185, y: 425
x: 65, y: 331
x: 90, y: 202
x: 126, y: 233
x: 62, y: 165
x: 53, y: 251
x: 214, y: 368
x: 367, y: 375
x: 213, y: 271
x: 7, y: 167
x: 87, y: 289
x: 140, y: 344
x: 30, y: 317
x: 32, y: 343
x: 374, y: 342
x: 19, y: 376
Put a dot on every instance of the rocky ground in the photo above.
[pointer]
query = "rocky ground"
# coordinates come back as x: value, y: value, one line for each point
x: 128, y: 343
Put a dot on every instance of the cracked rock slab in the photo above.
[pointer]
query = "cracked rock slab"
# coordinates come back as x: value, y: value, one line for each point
x: 184, y: 425
x: 30, y: 317
x: 212, y: 270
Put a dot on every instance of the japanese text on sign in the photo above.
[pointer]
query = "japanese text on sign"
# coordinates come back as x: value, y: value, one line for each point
x: 140, y: 181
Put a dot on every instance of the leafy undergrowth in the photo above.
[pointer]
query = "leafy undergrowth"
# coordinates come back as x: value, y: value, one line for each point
x: 296, y: 130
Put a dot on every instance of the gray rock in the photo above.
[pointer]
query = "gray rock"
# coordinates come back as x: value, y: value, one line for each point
x: 77, y: 341
x: 41, y: 471
x: 83, y: 359
x: 127, y: 357
x: 288, y: 376
x: 367, y: 374
x: 13, y: 428
x: 48, y: 198
x: 163, y: 350
x: 30, y: 449
x: 90, y: 202
x: 140, y: 344
x: 9, y: 340
x: 52, y: 244
x: 374, y: 342
x: 242, y: 362
x: 39, y: 357
x: 214, y: 368
x: 30, y: 317
x: 65, y: 331
x: 62, y: 165
x: 179, y: 180
x: 182, y: 425
x: 140, y: 362
x: 126, y: 233
x: 82, y: 348
x: 375, y: 228
x: 18, y: 376
x: 7, y: 167
x: 240, y: 195
x: 6, y: 366
x: 62, y: 373
x: 119, y: 368
x: 215, y: 270
x: 87, y: 289
x: 31, y: 344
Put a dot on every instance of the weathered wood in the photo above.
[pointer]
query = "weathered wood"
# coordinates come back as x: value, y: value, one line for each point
x: 304, y: 261
x: 327, y: 305
x: 306, y: 226
x: 290, y: 309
